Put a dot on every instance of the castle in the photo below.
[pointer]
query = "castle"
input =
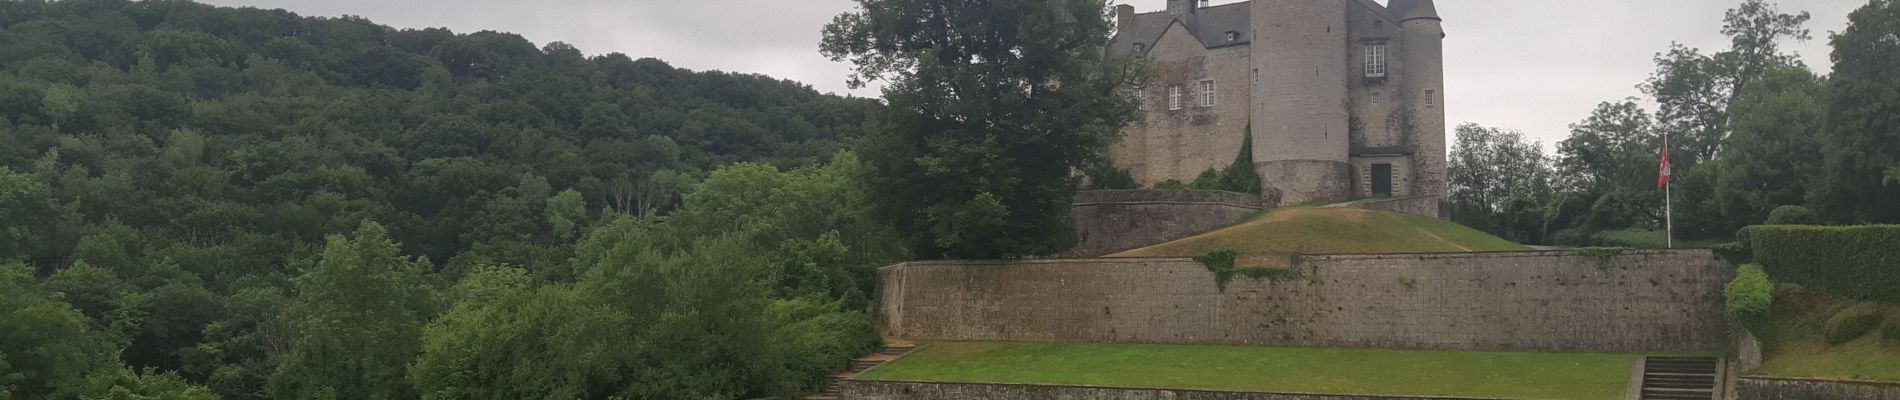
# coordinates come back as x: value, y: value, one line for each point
x: 1341, y: 98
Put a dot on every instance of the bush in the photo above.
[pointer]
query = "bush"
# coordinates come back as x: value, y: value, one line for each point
x: 1862, y: 262
x: 1852, y: 323
x: 1792, y: 215
x: 1749, y: 297
x: 1892, y: 333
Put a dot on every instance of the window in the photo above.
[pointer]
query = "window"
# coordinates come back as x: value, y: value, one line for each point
x: 1174, y: 97
x: 1232, y: 36
x: 1139, y: 48
x: 1375, y: 60
x: 1256, y: 76
x: 1431, y: 98
x: 1207, y: 93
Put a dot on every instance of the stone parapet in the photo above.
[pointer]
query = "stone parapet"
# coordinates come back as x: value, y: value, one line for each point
x: 1111, y: 221
x: 1767, y: 388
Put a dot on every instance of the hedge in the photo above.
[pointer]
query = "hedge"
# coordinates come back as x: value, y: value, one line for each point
x: 1749, y: 297
x: 1852, y: 323
x: 1862, y: 262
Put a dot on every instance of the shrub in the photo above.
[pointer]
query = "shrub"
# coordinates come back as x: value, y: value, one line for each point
x: 1749, y: 297
x: 1892, y: 333
x: 1852, y: 323
x: 1792, y: 215
x: 1862, y: 262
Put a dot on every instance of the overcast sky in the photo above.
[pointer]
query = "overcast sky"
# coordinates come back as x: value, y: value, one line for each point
x: 1534, y: 65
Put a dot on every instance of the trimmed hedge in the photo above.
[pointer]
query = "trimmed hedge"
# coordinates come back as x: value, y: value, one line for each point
x: 1749, y: 297
x: 1852, y: 323
x: 1792, y: 215
x: 1861, y: 262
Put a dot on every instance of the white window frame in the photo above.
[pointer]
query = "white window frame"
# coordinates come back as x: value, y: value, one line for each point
x: 1174, y: 97
x: 1375, y: 60
x: 1207, y: 93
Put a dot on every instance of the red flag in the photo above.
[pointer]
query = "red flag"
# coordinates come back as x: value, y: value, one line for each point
x: 1662, y: 181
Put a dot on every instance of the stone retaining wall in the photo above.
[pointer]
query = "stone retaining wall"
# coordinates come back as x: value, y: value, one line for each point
x: 1638, y: 301
x: 1422, y: 205
x: 1765, y: 388
x: 899, y: 390
x: 1111, y: 221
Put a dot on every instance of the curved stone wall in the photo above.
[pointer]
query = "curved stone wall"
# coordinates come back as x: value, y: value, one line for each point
x: 1111, y: 221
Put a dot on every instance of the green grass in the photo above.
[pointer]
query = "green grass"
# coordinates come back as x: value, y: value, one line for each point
x: 1270, y: 238
x: 1795, y: 345
x: 1560, y: 376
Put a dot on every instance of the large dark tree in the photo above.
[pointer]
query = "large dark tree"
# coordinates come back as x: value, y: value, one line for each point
x: 1863, y: 143
x: 994, y: 106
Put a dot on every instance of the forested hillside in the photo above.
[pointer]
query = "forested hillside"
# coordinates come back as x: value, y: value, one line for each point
x: 199, y: 202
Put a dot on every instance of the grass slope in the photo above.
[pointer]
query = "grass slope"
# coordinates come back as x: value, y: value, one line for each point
x: 1557, y: 376
x: 1796, y: 345
x: 1271, y: 238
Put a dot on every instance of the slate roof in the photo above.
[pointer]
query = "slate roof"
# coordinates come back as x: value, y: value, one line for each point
x: 1211, y: 24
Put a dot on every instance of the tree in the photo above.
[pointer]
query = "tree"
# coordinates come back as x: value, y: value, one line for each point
x: 1863, y: 106
x: 25, y: 210
x: 1694, y: 90
x: 1498, y: 179
x: 1773, y: 158
x: 993, y: 107
x: 358, y: 319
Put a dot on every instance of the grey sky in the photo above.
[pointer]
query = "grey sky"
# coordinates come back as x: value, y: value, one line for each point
x: 1534, y: 65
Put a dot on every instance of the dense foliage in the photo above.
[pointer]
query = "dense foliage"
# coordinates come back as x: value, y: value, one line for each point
x: 1750, y: 130
x: 1853, y: 322
x: 1749, y: 297
x: 994, y: 107
x: 1856, y: 261
x: 199, y: 202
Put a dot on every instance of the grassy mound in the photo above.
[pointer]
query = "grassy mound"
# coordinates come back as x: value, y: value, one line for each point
x: 1272, y: 238
x: 1797, y: 343
x: 1268, y: 369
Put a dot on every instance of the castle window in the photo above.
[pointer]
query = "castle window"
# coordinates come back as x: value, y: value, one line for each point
x: 1375, y: 60
x: 1174, y: 97
x: 1207, y: 93
x: 1431, y: 98
x: 1256, y: 76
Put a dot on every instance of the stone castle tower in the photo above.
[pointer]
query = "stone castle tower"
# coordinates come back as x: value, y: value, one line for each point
x: 1341, y: 98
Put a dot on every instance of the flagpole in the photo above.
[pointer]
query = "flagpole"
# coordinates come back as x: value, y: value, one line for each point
x: 1669, y: 215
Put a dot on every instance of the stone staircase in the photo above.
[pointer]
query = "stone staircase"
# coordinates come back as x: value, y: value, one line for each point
x: 830, y: 390
x: 1681, y: 378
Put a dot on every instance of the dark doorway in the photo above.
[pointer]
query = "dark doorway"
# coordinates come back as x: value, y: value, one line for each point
x: 1381, y: 180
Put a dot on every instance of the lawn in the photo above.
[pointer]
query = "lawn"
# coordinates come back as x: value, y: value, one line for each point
x: 1795, y: 346
x: 1330, y: 371
x: 1270, y: 239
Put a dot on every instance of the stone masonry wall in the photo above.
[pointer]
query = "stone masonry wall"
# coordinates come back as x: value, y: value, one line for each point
x: 1116, y: 220
x: 897, y: 390
x: 1639, y: 301
x: 1421, y: 205
x: 1760, y: 388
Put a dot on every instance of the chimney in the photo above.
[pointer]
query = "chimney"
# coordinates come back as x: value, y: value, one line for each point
x: 1124, y: 17
x: 1181, y: 8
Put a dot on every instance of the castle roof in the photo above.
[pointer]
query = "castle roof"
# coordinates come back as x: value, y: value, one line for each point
x: 1211, y: 24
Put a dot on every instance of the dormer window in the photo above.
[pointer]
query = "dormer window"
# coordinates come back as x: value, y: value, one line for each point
x: 1375, y: 60
x: 1233, y: 36
x: 1139, y: 48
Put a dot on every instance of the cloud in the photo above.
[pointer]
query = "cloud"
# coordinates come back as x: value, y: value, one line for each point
x: 1531, y: 65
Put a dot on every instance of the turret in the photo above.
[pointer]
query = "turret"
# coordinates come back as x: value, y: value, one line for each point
x: 1299, y: 112
x: 1424, y: 53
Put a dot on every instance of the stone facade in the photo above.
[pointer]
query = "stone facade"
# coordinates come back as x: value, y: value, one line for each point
x: 1764, y: 388
x: 1638, y: 301
x: 1117, y: 220
x: 1298, y: 76
x: 900, y: 390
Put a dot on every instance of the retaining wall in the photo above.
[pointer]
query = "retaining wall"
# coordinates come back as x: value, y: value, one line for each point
x: 1639, y: 301
x: 899, y: 390
x: 1111, y: 221
x: 1764, y: 388
x: 1421, y: 205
